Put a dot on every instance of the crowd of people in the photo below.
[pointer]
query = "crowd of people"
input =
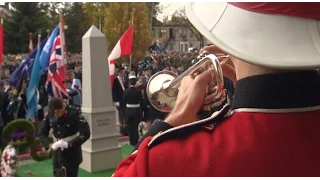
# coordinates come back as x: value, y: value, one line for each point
x: 271, y: 127
x: 13, y: 99
x: 153, y: 62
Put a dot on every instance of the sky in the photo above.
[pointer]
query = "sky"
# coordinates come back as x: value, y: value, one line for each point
x: 169, y: 8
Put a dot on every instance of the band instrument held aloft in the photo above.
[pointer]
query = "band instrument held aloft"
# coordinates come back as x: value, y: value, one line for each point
x: 163, y: 87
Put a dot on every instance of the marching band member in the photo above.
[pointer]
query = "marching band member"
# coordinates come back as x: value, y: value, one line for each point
x: 134, y: 102
x: 119, y: 85
x: 273, y: 129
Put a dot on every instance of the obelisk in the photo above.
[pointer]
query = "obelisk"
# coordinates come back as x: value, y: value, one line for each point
x: 102, y: 151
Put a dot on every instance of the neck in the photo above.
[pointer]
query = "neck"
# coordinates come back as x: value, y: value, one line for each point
x: 244, y: 70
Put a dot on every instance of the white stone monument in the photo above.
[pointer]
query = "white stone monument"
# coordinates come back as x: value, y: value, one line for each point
x: 102, y: 151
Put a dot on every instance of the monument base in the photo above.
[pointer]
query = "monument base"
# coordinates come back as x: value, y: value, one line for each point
x: 96, y: 161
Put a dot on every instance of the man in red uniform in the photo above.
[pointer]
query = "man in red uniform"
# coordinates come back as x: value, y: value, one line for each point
x: 273, y: 128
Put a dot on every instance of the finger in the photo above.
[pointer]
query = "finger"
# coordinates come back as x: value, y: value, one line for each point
x: 200, y: 85
x: 206, y: 48
x: 206, y: 77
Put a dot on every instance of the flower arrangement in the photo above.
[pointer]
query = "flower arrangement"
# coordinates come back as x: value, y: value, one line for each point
x: 142, y: 129
x: 9, y: 162
x: 19, y: 124
x: 37, y: 151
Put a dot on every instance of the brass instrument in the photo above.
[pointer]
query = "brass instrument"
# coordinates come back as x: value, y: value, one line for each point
x: 163, y: 87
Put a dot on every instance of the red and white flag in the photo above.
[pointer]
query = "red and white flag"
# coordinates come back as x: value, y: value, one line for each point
x: 122, y: 48
x: 30, y: 43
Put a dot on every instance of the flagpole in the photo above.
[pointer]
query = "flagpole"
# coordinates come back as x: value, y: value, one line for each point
x: 36, y: 124
x: 63, y: 45
x: 30, y: 43
x: 132, y: 21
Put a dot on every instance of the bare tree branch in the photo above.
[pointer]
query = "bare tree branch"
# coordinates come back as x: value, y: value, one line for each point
x: 179, y: 18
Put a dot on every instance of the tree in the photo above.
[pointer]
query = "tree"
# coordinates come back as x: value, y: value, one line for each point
x: 154, y: 10
x: 51, y: 9
x: 179, y: 18
x: 75, y: 20
x: 25, y: 17
x: 94, y: 14
x: 118, y: 17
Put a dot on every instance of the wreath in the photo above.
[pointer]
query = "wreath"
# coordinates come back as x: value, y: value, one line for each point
x: 142, y: 129
x: 9, y: 162
x: 14, y: 126
x: 37, y: 151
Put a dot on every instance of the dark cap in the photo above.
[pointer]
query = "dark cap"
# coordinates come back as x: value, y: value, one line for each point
x: 120, y: 68
x: 54, y: 104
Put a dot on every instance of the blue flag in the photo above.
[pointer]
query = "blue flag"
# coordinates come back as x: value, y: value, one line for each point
x: 46, y: 52
x: 32, y: 91
x: 25, y: 67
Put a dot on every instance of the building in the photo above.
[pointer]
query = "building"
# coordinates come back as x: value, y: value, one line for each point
x: 171, y: 36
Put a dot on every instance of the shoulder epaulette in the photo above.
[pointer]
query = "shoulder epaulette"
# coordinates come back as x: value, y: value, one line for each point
x: 186, y: 129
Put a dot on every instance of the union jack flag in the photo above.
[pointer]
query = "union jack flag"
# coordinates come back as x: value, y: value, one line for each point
x: 55, y: 86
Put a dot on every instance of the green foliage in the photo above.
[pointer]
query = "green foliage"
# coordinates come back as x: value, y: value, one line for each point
x: 25, y: 17
x: 75, y: 20
x: 94, y: 13
x: 51, y: 10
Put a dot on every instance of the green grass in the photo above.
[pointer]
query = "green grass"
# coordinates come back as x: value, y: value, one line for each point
x: 44, y: 168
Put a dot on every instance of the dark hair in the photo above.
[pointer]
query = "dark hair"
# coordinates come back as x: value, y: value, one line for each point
x: 133, y: 81
x: 54, y: 104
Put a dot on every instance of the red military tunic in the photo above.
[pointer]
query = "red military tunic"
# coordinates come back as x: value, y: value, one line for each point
x: 273, y: 131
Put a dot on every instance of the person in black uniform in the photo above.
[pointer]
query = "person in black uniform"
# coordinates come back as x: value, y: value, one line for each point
x: 70, y: 129
x: 119, y: 85
x: 134, y: 102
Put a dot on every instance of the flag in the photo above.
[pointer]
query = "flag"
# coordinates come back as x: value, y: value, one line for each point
x: 32, y: 90
x: 122, y: 48
x: 1, y: 43
x: 46, y: 52
x: 25, y: 66
x: 30, y: 43
x: 63, y: 64
x: 55, y: 86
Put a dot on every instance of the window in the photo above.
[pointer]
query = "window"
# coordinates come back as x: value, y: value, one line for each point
x: 181, y: 47
x: 186, y: 47
x: 191, y: 45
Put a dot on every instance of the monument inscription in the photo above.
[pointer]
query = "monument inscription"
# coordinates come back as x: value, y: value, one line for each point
x: 103, y: 122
